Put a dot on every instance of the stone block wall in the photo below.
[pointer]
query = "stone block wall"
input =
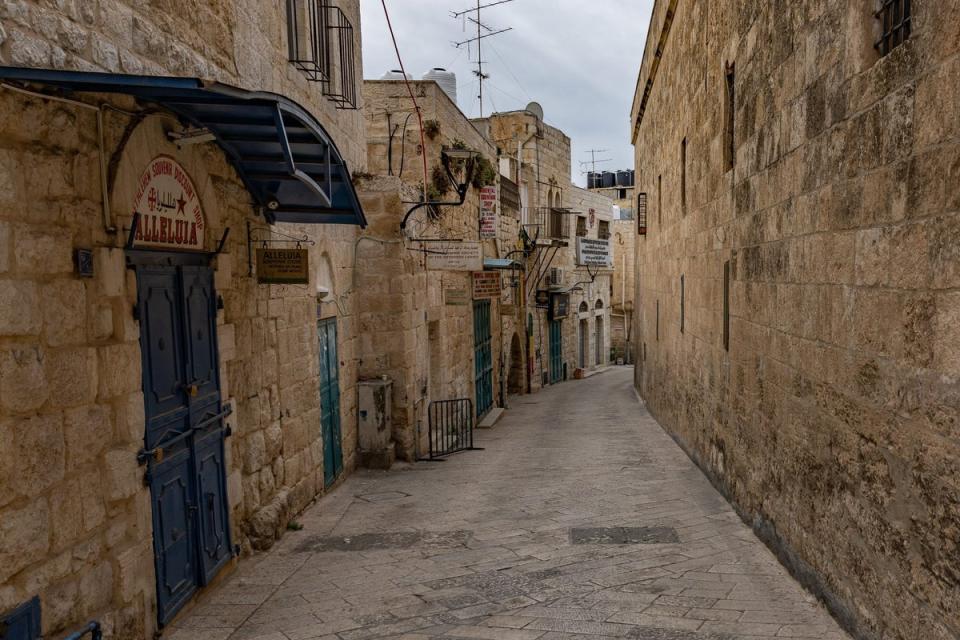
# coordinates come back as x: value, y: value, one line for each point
x: 75, y: 518
x: 831, y: 420
x: 623, y: 235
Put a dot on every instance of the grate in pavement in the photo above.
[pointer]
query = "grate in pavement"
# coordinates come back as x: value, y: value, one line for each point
x: 657, y: 633
x: 384, y: 496
x: 623, y: 535
x: 388, y: 540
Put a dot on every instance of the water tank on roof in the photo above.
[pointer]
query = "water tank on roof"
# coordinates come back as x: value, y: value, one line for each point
x: 633, y: 177
x: 608, y: 179
x: 446, y: 79
x: 593, y: 180
x: 623, y: 178
x: 396, y: 74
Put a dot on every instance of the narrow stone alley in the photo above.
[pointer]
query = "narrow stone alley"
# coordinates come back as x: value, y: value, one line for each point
x: 580, y: 518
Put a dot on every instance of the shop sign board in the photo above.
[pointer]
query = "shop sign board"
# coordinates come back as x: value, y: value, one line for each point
x: 594, y: 252
x: 559, y: 306
x: 456, y: 297
x: 170, y: 214
x: 543, y: 299
x: 283, y: 266
x: 486, y: 285
x: 488, y: 212
x: 454, y: 256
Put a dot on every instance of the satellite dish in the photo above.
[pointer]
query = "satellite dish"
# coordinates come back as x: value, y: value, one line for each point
x: 535, y: 109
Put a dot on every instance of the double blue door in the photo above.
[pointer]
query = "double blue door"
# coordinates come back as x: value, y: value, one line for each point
x: 482, y: 356
x: 185, y: 431
x: 330, y: 401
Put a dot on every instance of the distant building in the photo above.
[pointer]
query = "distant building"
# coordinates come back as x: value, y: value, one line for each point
x: 798, y: 321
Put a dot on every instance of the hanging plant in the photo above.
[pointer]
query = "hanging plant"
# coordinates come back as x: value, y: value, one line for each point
x: 484, y: 174
x: 431, y: 128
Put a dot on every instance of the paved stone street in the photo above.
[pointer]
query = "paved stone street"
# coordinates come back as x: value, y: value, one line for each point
x: 520, y: 542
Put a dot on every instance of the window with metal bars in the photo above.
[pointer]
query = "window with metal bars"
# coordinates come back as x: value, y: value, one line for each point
x: 603, y: 229
x: 894, y: 17
x: 581, y: 226
x: 642, y: 214
x: 321, y: 46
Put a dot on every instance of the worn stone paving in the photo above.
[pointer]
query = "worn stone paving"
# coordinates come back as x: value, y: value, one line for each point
x: 581, y: 519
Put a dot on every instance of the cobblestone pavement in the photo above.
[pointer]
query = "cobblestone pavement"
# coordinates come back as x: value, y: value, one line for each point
x: 581, y: 519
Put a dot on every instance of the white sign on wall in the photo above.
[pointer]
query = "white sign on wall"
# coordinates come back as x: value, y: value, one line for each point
x: 488, y: 212
x: 454, y: 256
x: 594, y: 252
x: 171, y: 216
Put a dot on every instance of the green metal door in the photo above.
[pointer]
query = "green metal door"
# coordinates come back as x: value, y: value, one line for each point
x: 483, y: 356
x: 556, y: 351
x: 330, y: 401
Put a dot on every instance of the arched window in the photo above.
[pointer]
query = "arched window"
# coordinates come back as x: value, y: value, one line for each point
x: 556, y: 199
x: 599, y: 304
x: 584, y: 307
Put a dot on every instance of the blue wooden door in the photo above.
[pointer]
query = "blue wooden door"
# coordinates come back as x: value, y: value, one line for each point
x: 184, y: 437
x: 482, y: 356
x: 556, y: 351
x: 330, y: 401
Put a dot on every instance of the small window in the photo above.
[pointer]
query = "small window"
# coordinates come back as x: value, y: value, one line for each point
x: 729, y: 147
x: 603, y: 230
x: 682, y: 304
x: 726, y: 305
x: 894, y: 18
x: 659, y: 200
x: 642, y: 214
x: 622, y: 194
x: 581, y: 226
x: 658, y: 321
x: 683, y: 176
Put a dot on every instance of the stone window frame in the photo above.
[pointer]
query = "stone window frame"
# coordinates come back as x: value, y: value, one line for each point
x: 895, y: 21
x: 581, y: 226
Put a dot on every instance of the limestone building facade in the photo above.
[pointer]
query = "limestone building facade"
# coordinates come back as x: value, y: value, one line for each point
x: 424, y: 326
x: 797, y: 315
x: 567, y: 302
x: 160, y: 408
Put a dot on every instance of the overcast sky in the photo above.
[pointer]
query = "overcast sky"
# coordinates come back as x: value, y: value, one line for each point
x: 578, y: 59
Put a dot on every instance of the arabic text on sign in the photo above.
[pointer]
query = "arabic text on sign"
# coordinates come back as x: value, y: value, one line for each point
x: 486, y: 284
x: 169, y: 208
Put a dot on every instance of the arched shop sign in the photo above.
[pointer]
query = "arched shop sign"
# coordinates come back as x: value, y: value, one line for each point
x: 171, y: 216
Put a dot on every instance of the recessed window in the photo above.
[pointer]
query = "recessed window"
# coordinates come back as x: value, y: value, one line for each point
x: 894, y: 18
x: 581, y: 226
x: 642, y: 214
x: 659, y: 200
x: 658, y: 321
x: 683, y: 176
x: 682, y: 303
x: 726, y: 305
x: 603, y: 229
x: 729, y: 147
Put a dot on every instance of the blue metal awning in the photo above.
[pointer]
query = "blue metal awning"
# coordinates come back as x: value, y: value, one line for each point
x: 283, y: 154
x: 501, y: 263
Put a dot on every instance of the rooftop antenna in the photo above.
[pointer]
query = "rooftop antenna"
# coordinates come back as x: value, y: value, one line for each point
x: 481, y: 76
x: 593, y: 160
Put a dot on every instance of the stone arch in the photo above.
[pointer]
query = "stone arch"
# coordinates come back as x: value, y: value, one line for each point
x: 326, y: 276
x: 599, y: 304
x: 584, y: 307
x: 516, y: 376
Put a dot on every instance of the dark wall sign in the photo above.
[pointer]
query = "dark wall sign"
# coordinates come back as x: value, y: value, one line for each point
x: 559, y: 305
x: 543, y: 299
x: 283, y: 266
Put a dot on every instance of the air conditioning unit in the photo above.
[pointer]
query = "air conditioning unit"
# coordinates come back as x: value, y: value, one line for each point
x: 556, y: 277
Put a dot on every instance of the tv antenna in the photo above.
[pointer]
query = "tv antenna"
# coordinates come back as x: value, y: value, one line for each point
x: 481, y: 76
x: 592, y: 162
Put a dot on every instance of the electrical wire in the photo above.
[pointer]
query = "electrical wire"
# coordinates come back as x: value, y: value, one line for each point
x: 406, y: 80
x: 510, y: 71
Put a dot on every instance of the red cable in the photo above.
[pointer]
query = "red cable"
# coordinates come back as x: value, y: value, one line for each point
x: 423, y: 142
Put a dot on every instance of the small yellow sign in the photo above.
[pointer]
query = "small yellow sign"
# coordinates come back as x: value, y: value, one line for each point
x: 283, y: 266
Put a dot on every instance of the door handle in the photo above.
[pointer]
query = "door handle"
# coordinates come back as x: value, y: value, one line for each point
x: 191, y: 390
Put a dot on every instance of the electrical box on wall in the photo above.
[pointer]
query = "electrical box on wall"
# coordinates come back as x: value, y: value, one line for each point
x: 375, y: 432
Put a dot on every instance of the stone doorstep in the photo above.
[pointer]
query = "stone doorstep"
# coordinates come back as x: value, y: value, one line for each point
x: 586, y: 373
x: 491, y: 418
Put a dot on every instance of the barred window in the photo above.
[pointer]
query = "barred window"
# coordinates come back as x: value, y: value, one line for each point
x: 642, y: 214
x: 894, y: 17
x: 581, y: 226
x: 603, y: 229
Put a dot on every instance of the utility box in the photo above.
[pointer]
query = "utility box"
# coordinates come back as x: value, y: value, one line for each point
x: 375, y: 407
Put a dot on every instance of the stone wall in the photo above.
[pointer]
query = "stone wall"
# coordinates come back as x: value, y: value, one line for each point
x: 624, y: 238
x: 409, y: 332
x: 831, y: 420
x: 75, y: 518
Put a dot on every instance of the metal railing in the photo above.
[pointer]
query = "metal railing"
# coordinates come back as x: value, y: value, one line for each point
x: 92, y: 628
x: 321, y: 45
x: 549, y: 222
x: 451, y: 427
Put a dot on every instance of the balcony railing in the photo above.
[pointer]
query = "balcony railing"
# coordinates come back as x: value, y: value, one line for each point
x: 548, y: 223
